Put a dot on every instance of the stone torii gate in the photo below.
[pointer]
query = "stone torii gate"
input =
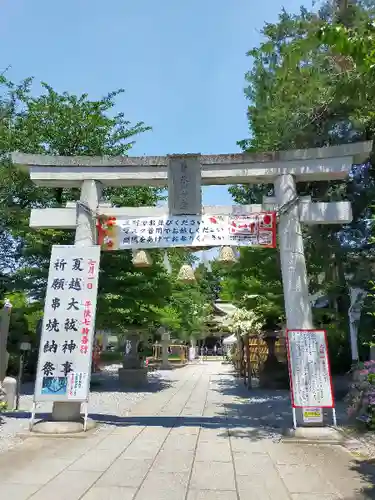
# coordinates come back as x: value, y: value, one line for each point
x: 184, y: 175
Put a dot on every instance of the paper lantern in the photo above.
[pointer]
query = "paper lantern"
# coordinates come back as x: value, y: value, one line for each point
x: 227, y: 255
x: 141, y: 258
x: 186, y: 274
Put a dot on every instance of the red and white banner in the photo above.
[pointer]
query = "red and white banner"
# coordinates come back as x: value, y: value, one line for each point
x: 258, y: 229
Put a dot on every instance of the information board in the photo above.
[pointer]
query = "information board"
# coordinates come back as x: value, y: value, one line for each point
x: 64, y: 363
x: 258, y: 229
x: 309, y: 370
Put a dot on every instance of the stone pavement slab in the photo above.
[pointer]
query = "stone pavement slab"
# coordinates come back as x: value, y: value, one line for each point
x: 203, y: 437
x: 110, y: 493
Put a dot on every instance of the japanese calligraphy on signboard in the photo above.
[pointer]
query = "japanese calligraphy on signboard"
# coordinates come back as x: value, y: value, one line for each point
x: 310, y: 377
x: 258, y: 229
x: 64, y: 362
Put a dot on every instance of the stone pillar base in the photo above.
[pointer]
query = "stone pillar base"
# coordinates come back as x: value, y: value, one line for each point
x: 132, y: 378
x: 8, y: 392
x: 52, y: 427
x: 66, y: 411
x: 313, y: 435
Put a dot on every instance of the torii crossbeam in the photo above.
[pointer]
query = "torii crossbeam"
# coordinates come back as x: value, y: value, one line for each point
x: 184, y: 175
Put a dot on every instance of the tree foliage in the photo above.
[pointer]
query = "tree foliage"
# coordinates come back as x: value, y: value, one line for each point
x: 254, y: 283
x: 66, y: 124
x: 189, y: 304
x: 311, y: 86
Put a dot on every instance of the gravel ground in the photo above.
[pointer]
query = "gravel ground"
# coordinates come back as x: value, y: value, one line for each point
x: 107, y: 402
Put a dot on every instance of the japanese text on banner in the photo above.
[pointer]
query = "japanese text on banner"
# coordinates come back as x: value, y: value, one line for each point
x: 181, y: 231
x: 68, y: 324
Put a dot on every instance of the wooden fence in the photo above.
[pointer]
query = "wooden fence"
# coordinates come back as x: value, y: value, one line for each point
x: 259, y: 352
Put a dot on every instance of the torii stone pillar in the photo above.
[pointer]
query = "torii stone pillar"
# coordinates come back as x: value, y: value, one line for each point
x: 283, y: 169
x: 292, y: 256
x: 7, y: 384
x: 4, y: 332
x: 85, y: 236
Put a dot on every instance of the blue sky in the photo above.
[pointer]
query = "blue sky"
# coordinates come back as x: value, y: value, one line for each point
x: 182, y: 63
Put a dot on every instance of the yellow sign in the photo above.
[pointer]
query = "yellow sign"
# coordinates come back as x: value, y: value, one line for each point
x: 312, y: 415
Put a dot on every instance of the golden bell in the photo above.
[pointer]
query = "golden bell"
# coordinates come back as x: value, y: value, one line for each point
x: 141, y: 258
x: 227, y: 255
x: 186, y: 274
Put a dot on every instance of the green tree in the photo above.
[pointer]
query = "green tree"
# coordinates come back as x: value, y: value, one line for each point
x: 254, y: 283
x: 65, y: 124
x: 333, y: 108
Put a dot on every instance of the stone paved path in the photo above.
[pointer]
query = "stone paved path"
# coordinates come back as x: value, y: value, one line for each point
x: 202, y: 438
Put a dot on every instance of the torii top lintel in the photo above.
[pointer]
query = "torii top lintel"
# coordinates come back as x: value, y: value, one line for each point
x: 328, y: 163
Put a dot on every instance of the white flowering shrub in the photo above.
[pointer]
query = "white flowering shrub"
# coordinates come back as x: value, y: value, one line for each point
x: 245, y: 322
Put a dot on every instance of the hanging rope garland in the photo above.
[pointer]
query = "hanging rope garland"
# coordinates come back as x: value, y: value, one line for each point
x: 227, y: 255
x: 186, y: 274
x: 141, y: 259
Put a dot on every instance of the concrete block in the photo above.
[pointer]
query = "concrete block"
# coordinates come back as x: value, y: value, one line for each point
x: 286, y: 453
x: 132, y: 378
x: 180, y: 462
x: 69, y: 485
x: 10, y: 388
x: 37, y: 472
x: 213, y: 475
x: 95, y: 460
x: 185, y: 442
x: 141, y: 450
x: 262, y: 486
x: 252, y: 463
x: 129, y: 473
x: 211, y: 495
x: 164, y: 486
x: 52, y: 427
x: 307, y: 496
x: 212, y: 451
x: 181, y: 430
x: 319, y: 435
x: 110, y: 493
x: 18, y: 491
x: 115, y: 443
x: 304, y: 479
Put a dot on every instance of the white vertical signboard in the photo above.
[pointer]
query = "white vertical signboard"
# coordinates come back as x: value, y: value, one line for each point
x: 66, y: 342
x: 310, y: 377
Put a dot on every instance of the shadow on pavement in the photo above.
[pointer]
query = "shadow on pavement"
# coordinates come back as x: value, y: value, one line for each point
x: 366, y: 470
x: 235, y: 427
x: 256, y: 407
x: 108, y: 382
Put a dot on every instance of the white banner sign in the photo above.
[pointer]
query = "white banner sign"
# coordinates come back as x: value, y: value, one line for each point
x: 65, y: 351
x: 310, y: 377
x: 258, y: 229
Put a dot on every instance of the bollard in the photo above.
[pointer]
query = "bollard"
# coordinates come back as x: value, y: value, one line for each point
x: 10, y: 388
x: 192, y: 353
